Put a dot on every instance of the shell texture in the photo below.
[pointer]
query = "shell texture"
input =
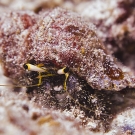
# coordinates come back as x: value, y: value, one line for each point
x: 59, y: 38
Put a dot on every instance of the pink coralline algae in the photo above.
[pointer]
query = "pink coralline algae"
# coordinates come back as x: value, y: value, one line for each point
x: 59, y: 38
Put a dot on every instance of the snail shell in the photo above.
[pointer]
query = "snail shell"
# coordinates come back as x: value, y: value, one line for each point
x: 61, y: 39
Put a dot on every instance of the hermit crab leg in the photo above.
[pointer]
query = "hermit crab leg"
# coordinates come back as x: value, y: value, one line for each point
x: 65, y: 71
x: 39, y: 69
x: 36, y: 68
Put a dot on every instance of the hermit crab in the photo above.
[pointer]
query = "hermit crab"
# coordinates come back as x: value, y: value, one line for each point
x: 57, y: 55
x: 58, y: 39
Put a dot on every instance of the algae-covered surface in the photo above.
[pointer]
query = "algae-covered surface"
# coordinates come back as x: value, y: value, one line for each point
x: 67, y: 72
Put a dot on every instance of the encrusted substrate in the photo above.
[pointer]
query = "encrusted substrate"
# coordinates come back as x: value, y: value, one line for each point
x: 35, y: 5
x: 23, y: 117
x: 59, y: 38
x: 115, y: 22
x: 124, y: 123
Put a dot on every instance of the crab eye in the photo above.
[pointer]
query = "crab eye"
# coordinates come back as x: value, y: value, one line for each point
x: 66, y: 69
x: 25, y: 66
x: 63, y: 70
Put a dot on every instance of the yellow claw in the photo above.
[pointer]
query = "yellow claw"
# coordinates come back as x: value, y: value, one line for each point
x: 41, y: 76
x: 65, y: 82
